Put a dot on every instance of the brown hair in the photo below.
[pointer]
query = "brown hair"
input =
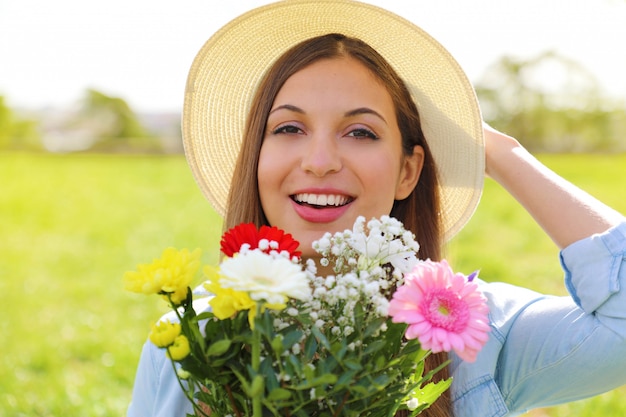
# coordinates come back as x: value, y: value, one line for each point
x: 419, y: 211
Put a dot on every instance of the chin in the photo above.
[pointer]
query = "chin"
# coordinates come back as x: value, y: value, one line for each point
x: 306, y: 240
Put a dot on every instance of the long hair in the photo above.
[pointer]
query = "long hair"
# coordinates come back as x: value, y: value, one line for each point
x: 419, y: 211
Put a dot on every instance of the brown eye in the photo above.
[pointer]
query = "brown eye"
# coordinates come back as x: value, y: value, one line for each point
x: 287, y: 129
x: 362, y: 133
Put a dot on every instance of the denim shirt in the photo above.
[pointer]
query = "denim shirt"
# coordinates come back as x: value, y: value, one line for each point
x: 542, y: 350
x: 546, y: 350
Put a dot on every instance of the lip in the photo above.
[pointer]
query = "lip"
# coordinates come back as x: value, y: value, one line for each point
x: 325, y: 215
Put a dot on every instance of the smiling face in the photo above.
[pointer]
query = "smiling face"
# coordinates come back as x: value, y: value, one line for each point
x: 332, y: 151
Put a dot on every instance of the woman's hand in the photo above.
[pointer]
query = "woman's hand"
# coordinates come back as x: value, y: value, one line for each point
x: 564, y: 211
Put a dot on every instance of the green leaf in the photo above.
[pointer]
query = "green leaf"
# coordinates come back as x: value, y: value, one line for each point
x: 218, y: 348
x: 353, y: 363
x: 320, y: 337
x: 277, y: 344
x: 294, y: 366
x: 373, y: 327
x: 374, y: 346
x: 381, y: 381
x: 257, y: 386
x: 339, y: 349
x: 359, y: 389
x: 205, y: 316
x: 320, y: 380
x: 278, y: 394
x: 291, y: 338
x: 430, y: 392
x: 346, y: 378
x: 245, y: 385
x: 263, y: 323
x: 271, y: 381
x: 310, y: 347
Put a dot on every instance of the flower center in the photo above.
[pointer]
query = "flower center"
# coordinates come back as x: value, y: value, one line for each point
x: 263, y: 280
x: 444, y: 309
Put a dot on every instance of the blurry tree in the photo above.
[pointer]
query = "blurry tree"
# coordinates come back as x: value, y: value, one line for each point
x: 551, y: 104
x: 17, y: 133
x: 112, y: 124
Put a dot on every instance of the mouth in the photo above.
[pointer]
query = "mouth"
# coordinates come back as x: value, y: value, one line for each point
x: 321, y: 201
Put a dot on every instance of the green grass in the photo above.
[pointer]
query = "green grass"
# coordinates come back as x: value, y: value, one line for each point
x: 507, y: 245
x: 71, y: 226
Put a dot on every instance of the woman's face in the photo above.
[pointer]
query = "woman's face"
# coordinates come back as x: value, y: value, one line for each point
x: 332, y: 151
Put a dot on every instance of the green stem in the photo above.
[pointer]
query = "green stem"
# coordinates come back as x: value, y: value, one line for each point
x: 257, y: 410
x: 189, y: 392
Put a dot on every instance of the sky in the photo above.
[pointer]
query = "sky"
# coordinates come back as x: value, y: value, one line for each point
x: 141, y: 50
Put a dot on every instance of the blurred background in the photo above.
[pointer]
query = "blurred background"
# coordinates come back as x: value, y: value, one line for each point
x: 110, y: 77
x: 93, y: 180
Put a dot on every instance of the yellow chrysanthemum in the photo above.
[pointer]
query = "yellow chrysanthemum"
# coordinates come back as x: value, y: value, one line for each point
x: 172, y: 273
x: 177, y: 297
x: 179, y: 349
x: 164, y: 333
x: 226, y: 301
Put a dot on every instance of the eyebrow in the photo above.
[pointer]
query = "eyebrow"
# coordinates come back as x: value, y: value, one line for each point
x: 351, y: 113
x: 290, y: 107
x: 364, y: 110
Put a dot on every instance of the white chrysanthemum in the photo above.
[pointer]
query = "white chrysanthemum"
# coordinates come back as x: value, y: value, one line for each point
x: 265, y: 277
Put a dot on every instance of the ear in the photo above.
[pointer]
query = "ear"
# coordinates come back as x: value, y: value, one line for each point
x: 410, y: 173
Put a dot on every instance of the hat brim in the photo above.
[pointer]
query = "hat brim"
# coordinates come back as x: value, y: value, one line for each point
x: 227, y: 70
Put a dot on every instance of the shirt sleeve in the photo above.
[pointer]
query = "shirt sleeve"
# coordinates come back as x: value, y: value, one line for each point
x: 146, y: 384
x: 562, y: 349
x: 598, y: 288
x: 157, y: 391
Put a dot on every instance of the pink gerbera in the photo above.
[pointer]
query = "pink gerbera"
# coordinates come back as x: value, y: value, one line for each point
x: 444, y: 310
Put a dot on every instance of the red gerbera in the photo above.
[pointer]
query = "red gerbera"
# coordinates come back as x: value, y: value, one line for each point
x: 247, y: 233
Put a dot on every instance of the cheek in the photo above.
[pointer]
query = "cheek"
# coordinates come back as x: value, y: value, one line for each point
x: 271, y: 173
x: 379, y: 183
x: 381, y: 171
x: 265, y: 173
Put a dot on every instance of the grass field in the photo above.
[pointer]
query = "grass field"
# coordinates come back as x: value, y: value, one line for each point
x: 71, y: 225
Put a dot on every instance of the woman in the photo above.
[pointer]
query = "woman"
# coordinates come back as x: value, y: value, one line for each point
x: 333, y: 131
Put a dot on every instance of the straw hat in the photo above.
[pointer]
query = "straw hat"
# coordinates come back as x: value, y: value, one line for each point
x: 228, y: 68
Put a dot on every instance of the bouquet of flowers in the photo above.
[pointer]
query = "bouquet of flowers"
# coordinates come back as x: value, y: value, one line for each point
x: 275, y: 339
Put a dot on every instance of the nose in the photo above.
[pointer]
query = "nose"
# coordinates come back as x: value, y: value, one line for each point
x: 321, y: 156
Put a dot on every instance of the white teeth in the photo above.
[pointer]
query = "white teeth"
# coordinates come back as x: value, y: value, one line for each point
x: 321, y: 199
